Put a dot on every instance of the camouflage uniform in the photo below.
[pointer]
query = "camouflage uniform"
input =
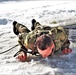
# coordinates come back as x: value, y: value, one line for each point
x: 28, y: 39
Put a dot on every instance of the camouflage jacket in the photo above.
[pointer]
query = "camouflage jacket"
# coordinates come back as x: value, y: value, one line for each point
x: 58, y: 34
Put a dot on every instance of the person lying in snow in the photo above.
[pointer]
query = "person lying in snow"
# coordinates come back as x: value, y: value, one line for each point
x: 44, y: 40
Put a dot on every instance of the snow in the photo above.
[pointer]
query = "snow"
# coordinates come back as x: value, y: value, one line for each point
x: 63, y: 12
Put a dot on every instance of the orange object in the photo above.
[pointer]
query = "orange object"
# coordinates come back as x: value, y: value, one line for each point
x: 22, y: 57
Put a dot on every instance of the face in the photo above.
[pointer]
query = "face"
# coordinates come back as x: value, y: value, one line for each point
x: 48, y: 51
x: 45, y: 45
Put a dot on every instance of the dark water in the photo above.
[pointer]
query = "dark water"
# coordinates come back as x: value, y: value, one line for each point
x: 72, y: 32
x: 72, y: 35
x: 3, y: 21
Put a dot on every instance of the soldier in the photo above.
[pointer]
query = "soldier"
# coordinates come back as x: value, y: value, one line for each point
x: 44, y: 40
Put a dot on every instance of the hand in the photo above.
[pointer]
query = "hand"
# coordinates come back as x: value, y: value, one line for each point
x: 22, y: 56
x: 66, y: 50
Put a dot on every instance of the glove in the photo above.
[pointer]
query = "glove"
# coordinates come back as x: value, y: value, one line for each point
x: 67, y: 50
x: 22, y: 56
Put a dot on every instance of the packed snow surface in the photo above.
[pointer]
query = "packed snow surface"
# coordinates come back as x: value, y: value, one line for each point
x: 46, y: 12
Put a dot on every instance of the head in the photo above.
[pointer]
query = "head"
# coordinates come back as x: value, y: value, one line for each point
x: 45, y: 45
x: 14, y: 28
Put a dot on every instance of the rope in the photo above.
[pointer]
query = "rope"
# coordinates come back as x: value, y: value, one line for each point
x: 9, y: 49
x: 26, y: 51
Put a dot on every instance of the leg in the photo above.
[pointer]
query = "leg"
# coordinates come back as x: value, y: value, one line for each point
x: 19, y: 28
x: 34, y: 24
x: 14, y: 28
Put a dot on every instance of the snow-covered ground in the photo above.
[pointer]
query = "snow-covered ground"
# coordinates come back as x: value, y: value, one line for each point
x: 63, y: 12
